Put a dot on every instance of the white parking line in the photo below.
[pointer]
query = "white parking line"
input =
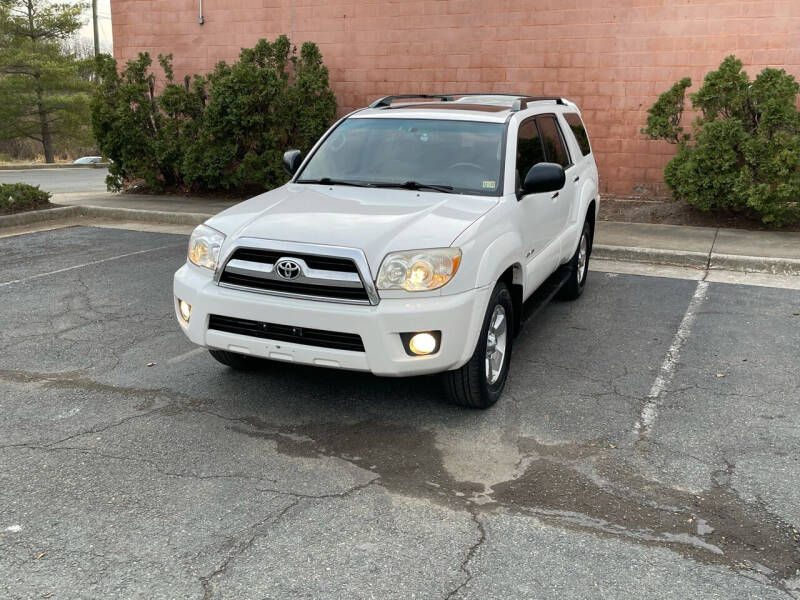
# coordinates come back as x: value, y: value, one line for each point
x: 185, y: 355
x: 88, y: 264
x: 649, y: 410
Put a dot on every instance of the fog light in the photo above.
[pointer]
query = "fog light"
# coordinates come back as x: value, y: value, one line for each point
x: 422, y: 343
x: 186, y: 310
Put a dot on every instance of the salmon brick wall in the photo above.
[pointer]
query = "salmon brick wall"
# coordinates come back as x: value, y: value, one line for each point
x: 612, y: 57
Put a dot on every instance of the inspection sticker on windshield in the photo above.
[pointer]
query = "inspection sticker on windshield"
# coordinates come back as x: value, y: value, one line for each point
x: 489, y: 184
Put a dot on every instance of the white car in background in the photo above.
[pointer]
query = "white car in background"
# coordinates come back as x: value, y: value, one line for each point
x: 405, y: 243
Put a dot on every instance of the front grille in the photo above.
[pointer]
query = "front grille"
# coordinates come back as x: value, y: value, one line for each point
x: 290, y: 287
x: 287, y: 333
x: 332, y: 278
x: 324, y: 263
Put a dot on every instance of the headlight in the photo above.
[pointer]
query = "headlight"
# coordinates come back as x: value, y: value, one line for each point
x: 204, y: 246
x: 418, y: 270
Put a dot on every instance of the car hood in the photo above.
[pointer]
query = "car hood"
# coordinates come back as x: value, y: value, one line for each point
x: 375, y: 220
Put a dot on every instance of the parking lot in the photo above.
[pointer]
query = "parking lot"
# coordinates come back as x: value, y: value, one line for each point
x: 59, y: 181
x: 647, y: 446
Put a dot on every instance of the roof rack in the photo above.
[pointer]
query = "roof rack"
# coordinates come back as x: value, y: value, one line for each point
x: 387, y: 100
x: 520, y: 103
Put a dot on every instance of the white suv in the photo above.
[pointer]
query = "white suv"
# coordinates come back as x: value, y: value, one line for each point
x: 405, y: 243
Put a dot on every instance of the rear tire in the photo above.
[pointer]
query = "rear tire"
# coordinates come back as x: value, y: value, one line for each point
x: 480, y: 382
x: 578, y: 266
x: 240, y: 362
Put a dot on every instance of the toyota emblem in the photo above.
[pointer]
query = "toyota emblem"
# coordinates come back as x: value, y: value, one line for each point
x: 288, y: 269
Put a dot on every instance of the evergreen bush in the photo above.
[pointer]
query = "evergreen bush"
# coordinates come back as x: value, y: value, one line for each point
x: 226, y: 130
x: 18, y: 197
x: 744, y: 150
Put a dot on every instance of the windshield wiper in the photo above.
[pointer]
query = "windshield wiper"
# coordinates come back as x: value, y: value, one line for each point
x: 416, y: 185
x: 329, y: 181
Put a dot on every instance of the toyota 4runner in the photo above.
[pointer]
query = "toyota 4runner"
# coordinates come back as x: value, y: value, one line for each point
x: 407, y: 242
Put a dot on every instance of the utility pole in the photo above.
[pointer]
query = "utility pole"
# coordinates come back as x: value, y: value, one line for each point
x: 94, y: 26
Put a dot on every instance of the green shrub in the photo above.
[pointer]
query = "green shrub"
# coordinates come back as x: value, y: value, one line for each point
x: 224, y: 130
x: 744, y: 149
x: 18, y: 197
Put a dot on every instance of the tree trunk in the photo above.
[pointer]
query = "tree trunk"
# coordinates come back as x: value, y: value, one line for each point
x: 47, y: 137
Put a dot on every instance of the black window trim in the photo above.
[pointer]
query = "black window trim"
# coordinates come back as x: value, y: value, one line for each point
x: 560, y: 135
x: 535, y: 119
x: 588, y: 141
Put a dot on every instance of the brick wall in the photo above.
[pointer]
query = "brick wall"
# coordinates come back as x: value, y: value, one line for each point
x: 613, y: 57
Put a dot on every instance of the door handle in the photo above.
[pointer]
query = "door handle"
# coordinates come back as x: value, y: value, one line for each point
x: 554, y: 196
x: 576, y: 179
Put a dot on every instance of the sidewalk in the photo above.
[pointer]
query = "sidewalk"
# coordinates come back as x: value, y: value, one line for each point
x: 694, y: 247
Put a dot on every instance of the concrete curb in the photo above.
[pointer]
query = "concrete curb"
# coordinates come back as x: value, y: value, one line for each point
x: 29, y: 167
x: 675, y: 258
x: 119, y: 214
x: 699, y: 260
x: 148, y: 216
x: 756, y: 264
x: 36, y: 216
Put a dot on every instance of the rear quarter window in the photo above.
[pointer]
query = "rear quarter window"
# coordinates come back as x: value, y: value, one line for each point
x: 579, y: 131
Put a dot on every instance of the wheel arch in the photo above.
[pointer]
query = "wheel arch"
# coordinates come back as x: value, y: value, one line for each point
x: 513, y: 279
x: 591, y: 218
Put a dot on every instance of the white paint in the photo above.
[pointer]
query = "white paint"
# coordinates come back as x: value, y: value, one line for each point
x: 14, y: 528
x: 70, y: 413
x: 185, y: 355
x: 88, y: 264
x: 650, y: 409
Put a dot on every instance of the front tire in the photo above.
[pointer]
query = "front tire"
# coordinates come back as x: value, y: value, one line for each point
x: 480, y: 382
x: 578, y: 266
x: 240, y: 362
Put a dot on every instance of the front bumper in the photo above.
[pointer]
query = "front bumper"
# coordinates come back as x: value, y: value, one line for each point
x: 459, y: 317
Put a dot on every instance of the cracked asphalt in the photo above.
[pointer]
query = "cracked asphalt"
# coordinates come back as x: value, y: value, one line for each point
x: 188, y: 480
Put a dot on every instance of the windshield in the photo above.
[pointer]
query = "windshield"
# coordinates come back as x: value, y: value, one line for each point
x: 453, y: 156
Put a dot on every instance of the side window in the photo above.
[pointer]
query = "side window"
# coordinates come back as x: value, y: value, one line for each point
x: 579, y: 131
x: 529, y: 148
x: 551, y: 140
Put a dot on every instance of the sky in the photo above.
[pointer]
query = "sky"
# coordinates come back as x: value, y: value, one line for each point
x: 103, y: 23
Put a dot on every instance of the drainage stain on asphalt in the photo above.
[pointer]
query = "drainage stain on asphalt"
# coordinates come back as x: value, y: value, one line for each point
x: 583, y: 486
x: 717, y: 527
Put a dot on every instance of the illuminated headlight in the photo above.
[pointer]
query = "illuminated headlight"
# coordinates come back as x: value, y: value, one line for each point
x: 204, y: 246
x: 185, y: 310
x: 418, y: 270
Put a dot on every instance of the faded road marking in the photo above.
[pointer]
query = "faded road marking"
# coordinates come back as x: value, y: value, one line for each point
x: 185, y: 355
x: 88, y: 264
x: 650, y: 408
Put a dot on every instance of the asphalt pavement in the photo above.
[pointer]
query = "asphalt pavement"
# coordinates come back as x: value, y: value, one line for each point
x: 646, y: 447
x: 59, y: 181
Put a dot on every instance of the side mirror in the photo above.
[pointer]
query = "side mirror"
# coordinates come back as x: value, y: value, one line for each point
x: 544, y: 177
x: 292, y: 160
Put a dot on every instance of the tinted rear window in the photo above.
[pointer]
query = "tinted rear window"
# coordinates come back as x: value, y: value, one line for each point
x: 552, y: 142
x: 575, y: 123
